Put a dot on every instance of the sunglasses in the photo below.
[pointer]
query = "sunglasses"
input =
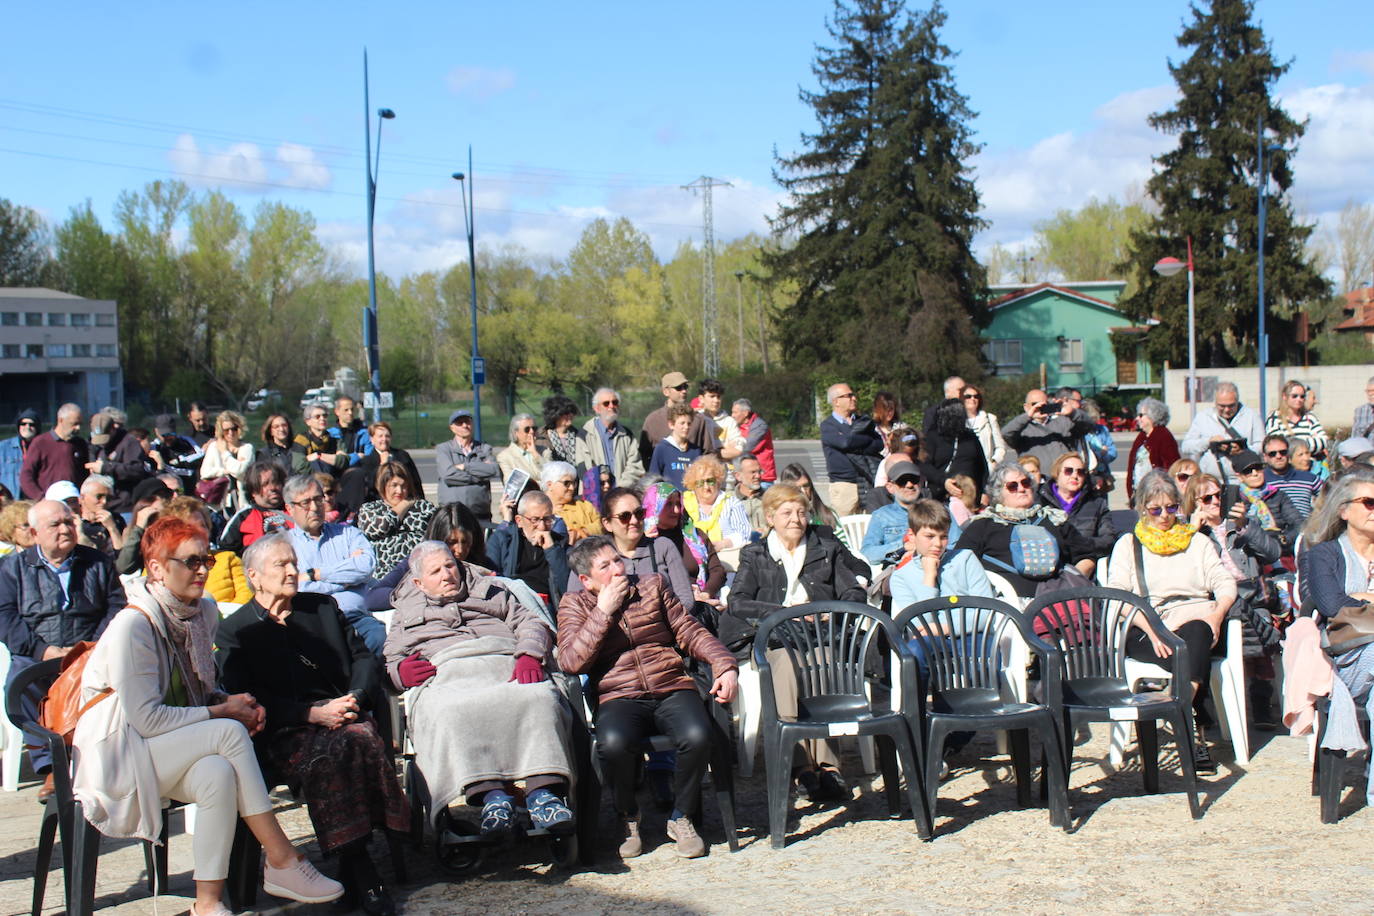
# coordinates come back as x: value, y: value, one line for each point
x: 1277, y: 452
x: 1167, y: 510
x: 1366, y: 501
x: 1252, y: 469
x: 231, y: 429
x: 682, y: 387
x: 625, y: 517
x: 973, y: 397
x: 195, y: 564
x: 526, y: 429
x: 23, y: 423
x: 615, y: 403
x: 1209, y: 498
x: 463, y: 421
x: 1073, y: 472
x: 1013, y: 486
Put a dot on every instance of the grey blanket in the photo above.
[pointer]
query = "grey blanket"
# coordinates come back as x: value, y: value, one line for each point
x: 471, y: 723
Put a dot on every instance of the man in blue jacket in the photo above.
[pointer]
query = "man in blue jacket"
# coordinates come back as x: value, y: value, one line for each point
x: 888, y: 525
x: 529, y: 549
x: 12, y: 450
x: 852, y: 447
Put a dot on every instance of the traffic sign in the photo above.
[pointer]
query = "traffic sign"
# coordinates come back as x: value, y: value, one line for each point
x: 479, y: 370
x: 369, y: 400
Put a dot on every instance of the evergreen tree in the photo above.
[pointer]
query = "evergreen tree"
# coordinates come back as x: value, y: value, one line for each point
x: 1208, y: 188
x: 883, y: 209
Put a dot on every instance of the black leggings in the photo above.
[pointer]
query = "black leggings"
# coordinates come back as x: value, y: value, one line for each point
x: 621, y: 729
x: 1198, y: 636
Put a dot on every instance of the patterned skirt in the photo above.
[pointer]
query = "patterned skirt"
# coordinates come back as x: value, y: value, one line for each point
x: 346, y: 778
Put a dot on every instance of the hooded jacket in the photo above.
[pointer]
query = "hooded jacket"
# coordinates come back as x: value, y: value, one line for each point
x: 12, y: 454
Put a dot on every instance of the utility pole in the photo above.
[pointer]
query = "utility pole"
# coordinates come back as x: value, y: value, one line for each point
x: 1025, y: 260
x: 710, y: 320
x: 739, y: 300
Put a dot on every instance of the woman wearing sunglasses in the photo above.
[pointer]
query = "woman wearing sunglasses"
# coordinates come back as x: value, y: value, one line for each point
x: 521, y: 454
x: 1012, y: 504
x: 1182, y: 577
x: 1069, y: 489
x: 984, y: 426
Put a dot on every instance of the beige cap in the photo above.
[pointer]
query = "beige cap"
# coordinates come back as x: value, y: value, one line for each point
x: 673, y: 379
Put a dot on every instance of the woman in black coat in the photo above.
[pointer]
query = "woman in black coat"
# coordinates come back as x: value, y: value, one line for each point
x: 1067, y: 488
x: 954, y: 449
x: 320, y: 686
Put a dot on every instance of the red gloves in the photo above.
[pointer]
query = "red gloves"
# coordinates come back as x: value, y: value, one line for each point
x: 527, y: 670
x: 415, y: 670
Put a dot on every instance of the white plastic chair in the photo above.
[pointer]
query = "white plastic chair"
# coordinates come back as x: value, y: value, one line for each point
x: 1005, y: 591
x: 11, y: 738
x: 1228, y: 693
x: 855, y: 527
x: 1100, y: 574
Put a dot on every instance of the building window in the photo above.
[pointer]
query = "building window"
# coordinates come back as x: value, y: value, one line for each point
x: 81, y: 350
x: 105, y: 351
x: 57, y: 351
x: 58, y: 319
x: 11, y: 351
x: 33, y: 351
x: 1005, y: 356
x: 9, y: 319
x: 104, y: 319
x: 33, y: 319
x: 1070, y: 354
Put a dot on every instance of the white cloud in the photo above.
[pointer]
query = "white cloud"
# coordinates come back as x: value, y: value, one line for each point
x: 243, y: 165
x: 1335, y: 160
x: 481, y: 83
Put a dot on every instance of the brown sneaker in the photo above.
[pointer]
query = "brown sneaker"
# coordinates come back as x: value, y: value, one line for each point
x: 631, y: 846
x: 48, y: 790
x: 690, y: 845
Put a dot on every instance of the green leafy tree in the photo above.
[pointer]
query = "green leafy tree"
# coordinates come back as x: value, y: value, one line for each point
x: 883, y: 208
x: 1207, y: 188
x: 24, y: 256
x: 1092, y: 242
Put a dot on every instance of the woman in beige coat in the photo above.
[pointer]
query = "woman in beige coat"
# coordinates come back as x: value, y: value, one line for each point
x: 162, y: 729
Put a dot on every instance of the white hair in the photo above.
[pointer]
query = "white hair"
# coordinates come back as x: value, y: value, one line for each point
x: 830, y: 392
x: 421, y: 553
x: 532, y: 498
x: 299, y: 485
x: 258, y: 551
x: 516, y: 421
x: 37, y: 507
x: 556, y: 470
x: 115, y: 414
x: 97, y: 480
x: 68, y: 409
x: 1230, y: 388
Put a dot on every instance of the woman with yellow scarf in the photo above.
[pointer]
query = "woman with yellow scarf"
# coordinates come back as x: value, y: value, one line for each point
x: 720, y: 516
x: 1183, y: 579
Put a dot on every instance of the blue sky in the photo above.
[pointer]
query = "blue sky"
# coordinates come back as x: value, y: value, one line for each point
x: 577, y: 111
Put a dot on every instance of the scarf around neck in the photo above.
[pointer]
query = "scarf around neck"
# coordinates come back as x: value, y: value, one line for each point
x: 190, y: 640
x: 1066, y: 505
x: 1259, y: 508
x: 1174, y: 539
x: 654, y: 499
x: 1006, y: 515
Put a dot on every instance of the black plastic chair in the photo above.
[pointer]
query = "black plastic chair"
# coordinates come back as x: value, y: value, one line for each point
x: 968, y: 645
x: 828, y: 643
x: 1328, y: 765
x: 1089, y: 626
x: 57, y: 815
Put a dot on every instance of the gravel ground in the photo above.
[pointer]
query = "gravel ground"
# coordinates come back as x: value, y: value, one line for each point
x: 1260, y: 847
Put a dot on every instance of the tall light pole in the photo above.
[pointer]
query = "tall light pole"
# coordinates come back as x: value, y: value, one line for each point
x: 739, y: 301
x: 478, y: 368
x: 1262, y: 344
x: 370, y: 342
x: 1167, y: 267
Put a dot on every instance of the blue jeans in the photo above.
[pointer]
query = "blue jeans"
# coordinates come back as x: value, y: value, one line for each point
x: 369, y: 628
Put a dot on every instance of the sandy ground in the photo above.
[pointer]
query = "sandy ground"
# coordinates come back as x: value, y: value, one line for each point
x: 1260, y: 847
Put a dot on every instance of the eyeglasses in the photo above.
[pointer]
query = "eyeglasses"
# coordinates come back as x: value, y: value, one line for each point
x: 612, y: 403
x: 195, y: 564
x: 544, y: 521
x: 1167, y: 510
x: 625, y: 517
x: 847, y: 394
x: 1013, y: 486
x: 1073, y: 472
x: 707, y: 482
x: 525, y: 429
x: 973, y: 397
x: 312, y: 501
x: 682, y: 387
x: 1277, y: 452
x: 1208, y: 498
x: 566, y: 482
x: 1366, y: 501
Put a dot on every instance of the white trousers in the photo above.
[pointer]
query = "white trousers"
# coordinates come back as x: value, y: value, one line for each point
x: 212, y: 764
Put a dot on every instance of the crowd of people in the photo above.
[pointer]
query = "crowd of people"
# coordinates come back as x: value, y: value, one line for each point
x: 641, y: 564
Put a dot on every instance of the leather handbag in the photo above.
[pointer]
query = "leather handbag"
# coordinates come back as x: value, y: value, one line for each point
x: 61, y: 708
x: 1351, y: 628
x: 212, y: 491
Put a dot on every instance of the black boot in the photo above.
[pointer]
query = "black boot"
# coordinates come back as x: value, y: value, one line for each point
x: 1202, y: 757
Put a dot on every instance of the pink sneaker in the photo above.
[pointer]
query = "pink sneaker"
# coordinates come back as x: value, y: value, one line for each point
x: 300, y: 881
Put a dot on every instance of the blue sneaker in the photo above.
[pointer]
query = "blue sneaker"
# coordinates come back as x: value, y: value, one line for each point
x: 498, y: 818
x: 548, y: 812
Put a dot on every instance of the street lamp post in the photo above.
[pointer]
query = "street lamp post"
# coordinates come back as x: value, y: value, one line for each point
x: 370, y: 342
x: 478, y: 369
x: 1262, y: 343
x: 739, y: 301
x: 1168, y: 267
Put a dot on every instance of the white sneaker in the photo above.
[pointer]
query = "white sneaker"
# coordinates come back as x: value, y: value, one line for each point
x: 300, y: 881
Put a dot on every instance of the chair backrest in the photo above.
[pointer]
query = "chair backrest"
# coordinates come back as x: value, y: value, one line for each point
x: 1004, y: 589
x: 968, y: 643
x: 855, y: 527
x: 827, y: 643
x: 1089, y: 627
x: 24, y: 683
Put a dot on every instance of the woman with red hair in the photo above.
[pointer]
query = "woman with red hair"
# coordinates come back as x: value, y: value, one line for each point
x: 158, y: 727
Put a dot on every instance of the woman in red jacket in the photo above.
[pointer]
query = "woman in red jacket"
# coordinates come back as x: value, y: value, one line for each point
x: 1154, y: 446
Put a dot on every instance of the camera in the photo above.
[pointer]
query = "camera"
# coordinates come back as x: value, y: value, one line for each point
x: 1052, y: 407
x: 1227, y: 446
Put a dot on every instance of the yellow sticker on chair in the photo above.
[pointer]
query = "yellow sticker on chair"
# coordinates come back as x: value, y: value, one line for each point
x: 839, y: 729
x: 1125, y: 714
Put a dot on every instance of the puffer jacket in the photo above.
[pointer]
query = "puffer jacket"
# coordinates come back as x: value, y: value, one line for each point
x: 483, y: 607
x: 761, y: 583
x: 634, y: 652
x: 33, y: 615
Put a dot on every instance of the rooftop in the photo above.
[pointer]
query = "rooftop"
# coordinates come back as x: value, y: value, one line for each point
x: 33, y: 292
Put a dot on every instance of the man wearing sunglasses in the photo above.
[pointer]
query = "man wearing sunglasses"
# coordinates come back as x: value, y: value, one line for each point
x: 609, y: 442
x: 52, y: 596
x: 12, y: 449
x: 702, y: 432
x: 1217, y: 434
x: 1301, y: 487
x: 853, y: 449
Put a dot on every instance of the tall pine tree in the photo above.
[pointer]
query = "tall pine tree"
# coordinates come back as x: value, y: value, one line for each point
x: 1208, y: 188
x: 883, y: 209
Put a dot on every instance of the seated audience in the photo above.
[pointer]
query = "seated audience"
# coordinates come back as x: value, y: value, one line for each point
x: 396, y: 522
x: 321, y: 688
x: 279, y: 445
x: 675, y: 452
x: 927, y: 568
x: 964, y: 501
x: 793, y: 565
x: 266, y: 509
x: 333, y: 559
x: 558, y: 479
x: 1183, y: 579
x: 717, y: 515
x: 15, y: 533
x: 664, y: 520
x: 149, y: 499
x: 454, y: 525
x: 1301, y: 487
x: 628, y: 632
x: 526, y: 547
x: 1031, y: 465
x: 1182, y: 471
x: 887, y: 527
x: 486, y: 715
x: 358, y: 485
x: 227, y: 457
x: 749, y: 492
x: 330, y: 486
x: 172, y: 734
x: 1267, y: 504
x: 322, y: 451
x: 225, y: 581
x: 100, y: 528
x: 623, y: 518
x: 1070, y: 491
